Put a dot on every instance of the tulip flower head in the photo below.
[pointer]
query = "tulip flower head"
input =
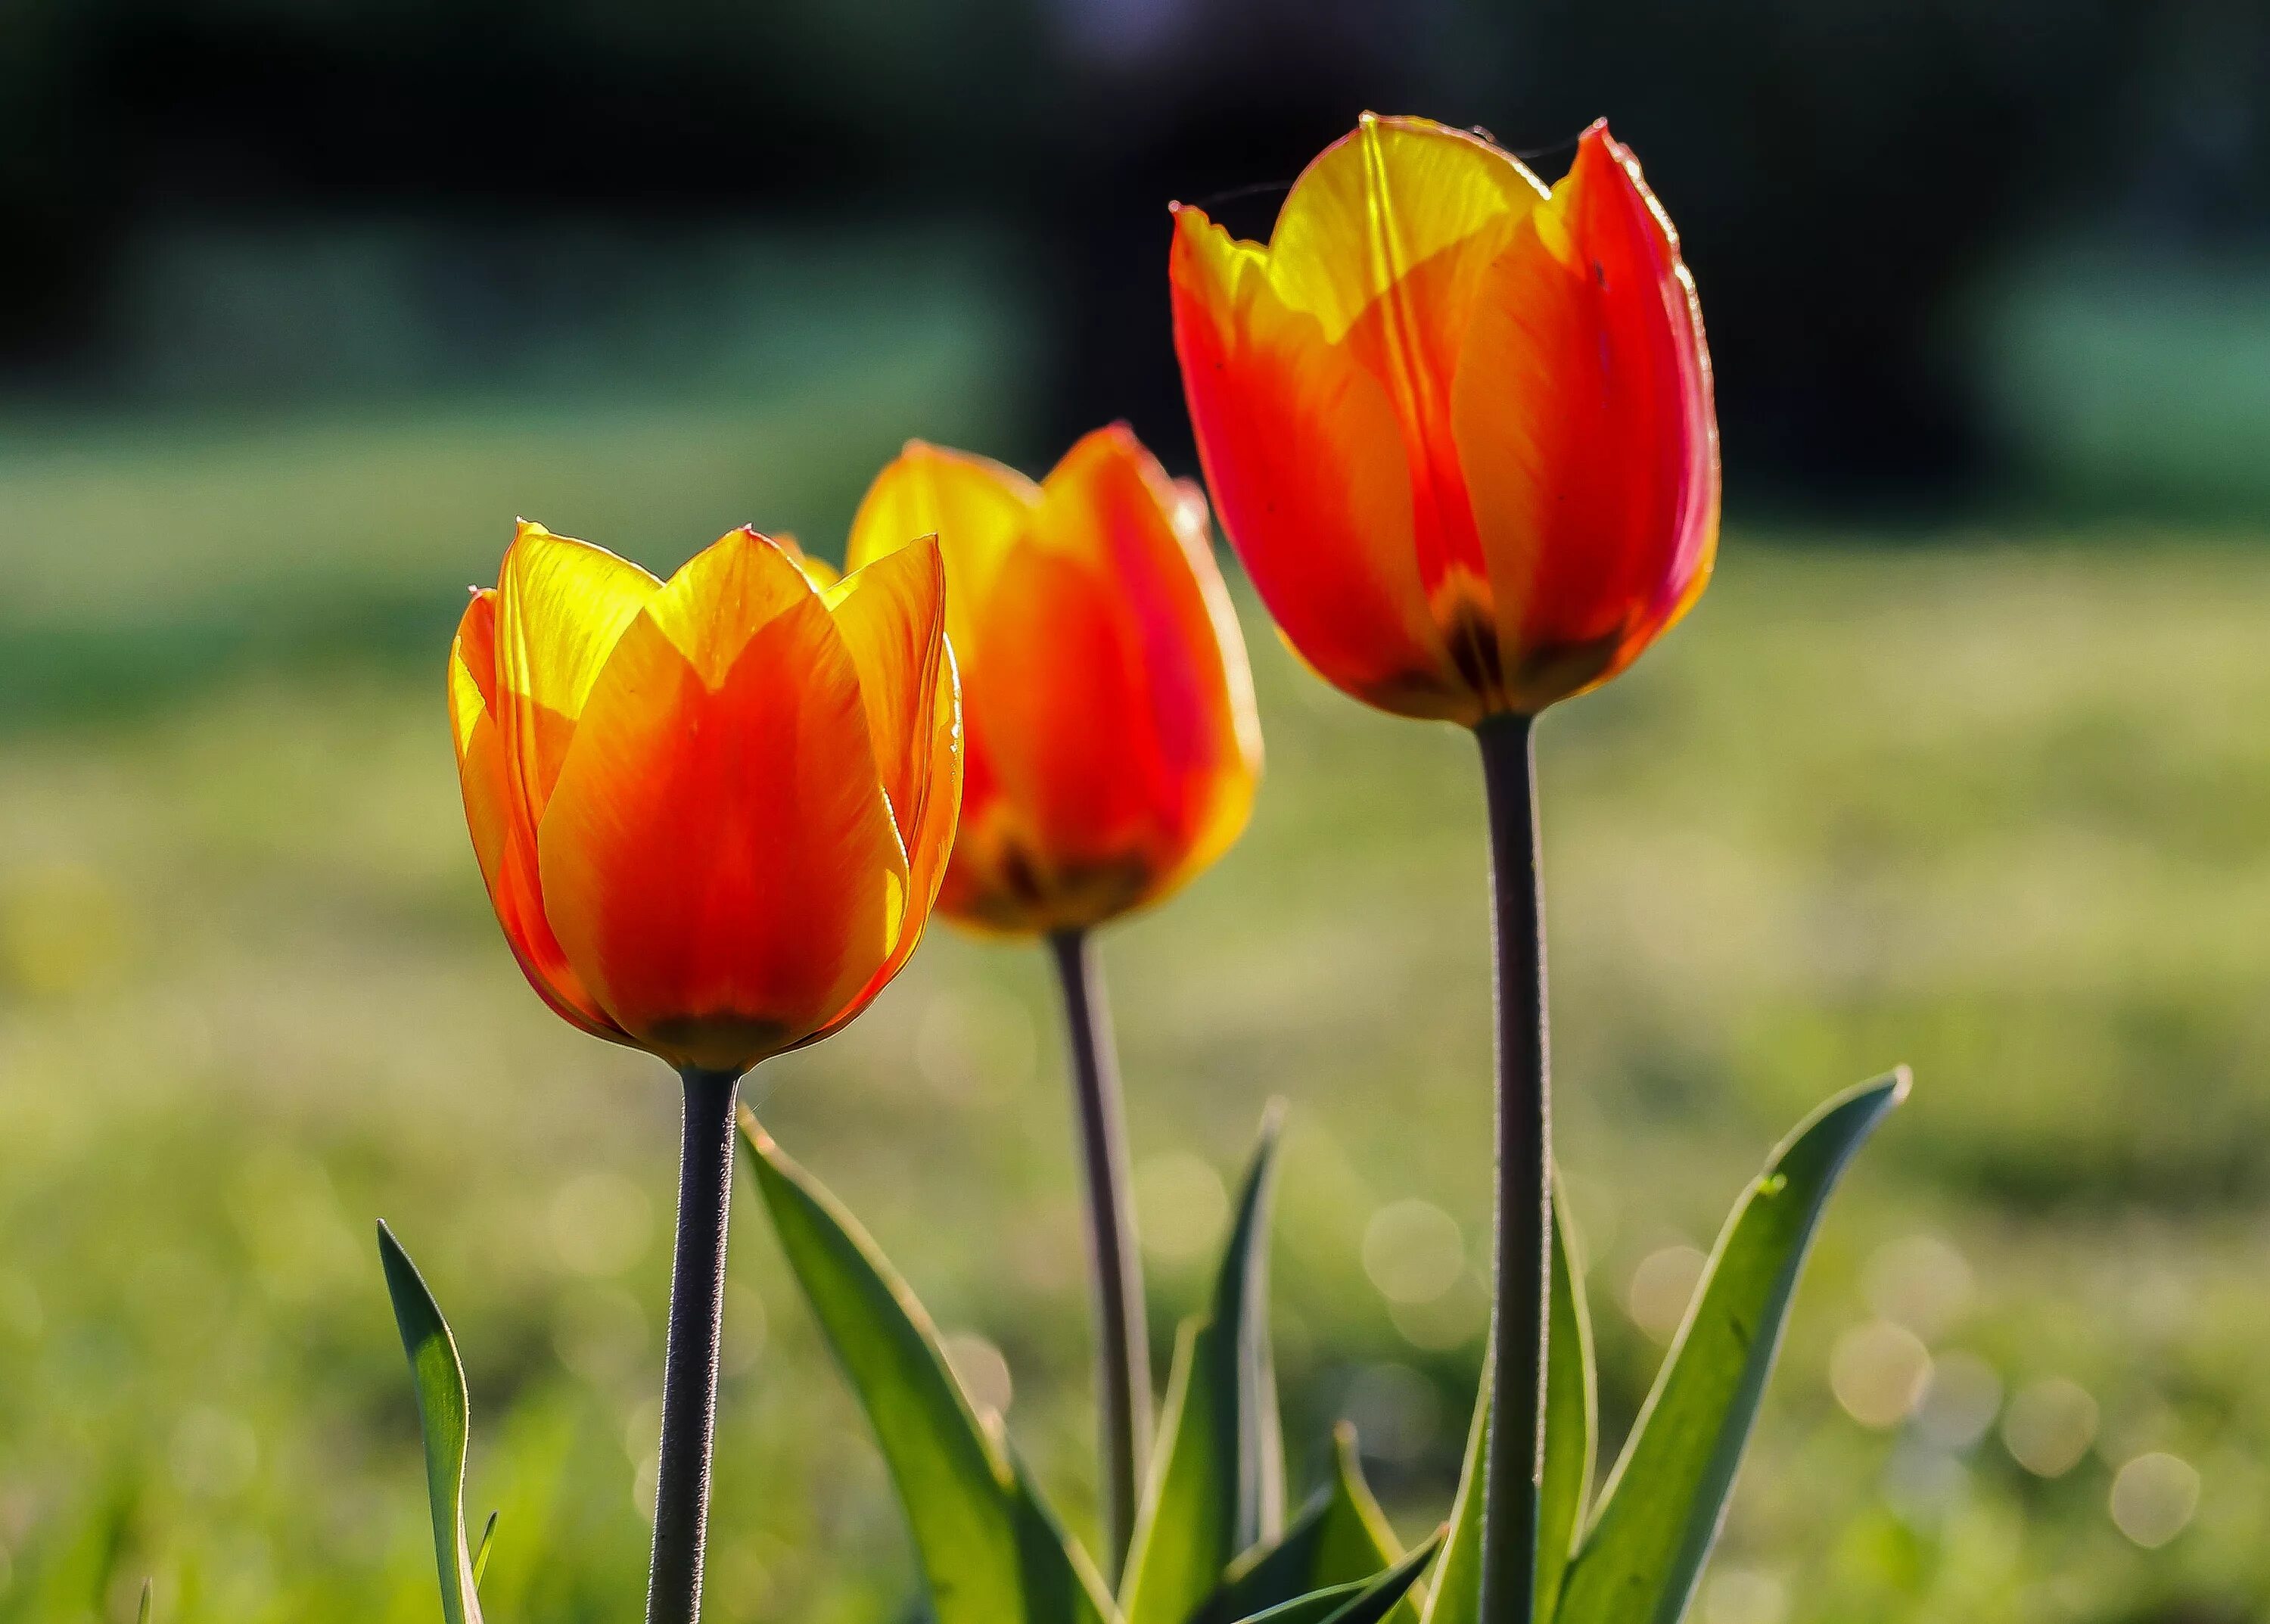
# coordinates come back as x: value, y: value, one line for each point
x: 1112, y: 743
x: 1458, y: 425
x: 712, y: 813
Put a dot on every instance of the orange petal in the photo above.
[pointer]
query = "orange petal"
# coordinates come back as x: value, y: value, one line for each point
x: 931, y: 843
x: 1586, y: 426
x: 1304, y: 454
x: 506, y: 857
x: 1109, y: 503
x: 561, y: 605
x: 976, y: 508
x: 718, y: 857
x: 1385, y: 239
x: 891, y: 615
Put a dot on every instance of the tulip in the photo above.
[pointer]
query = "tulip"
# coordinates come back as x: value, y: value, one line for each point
x: 1459, y: 429
x: 712, y: 814
x: 1112, y: 752
x: 1112, y: 745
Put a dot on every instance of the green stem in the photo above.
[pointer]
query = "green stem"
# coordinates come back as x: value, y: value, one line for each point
x: 1123, y: 1341
x: 1513, y: 1463
x: 689, y: 1383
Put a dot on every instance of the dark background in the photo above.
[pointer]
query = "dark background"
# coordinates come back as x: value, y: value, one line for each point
x: 1874, y: 193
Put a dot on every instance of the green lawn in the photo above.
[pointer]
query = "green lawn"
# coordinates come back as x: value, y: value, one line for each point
x: 2000, y: 811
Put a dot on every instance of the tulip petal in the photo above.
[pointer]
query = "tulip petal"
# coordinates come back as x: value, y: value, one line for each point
x: 976, y: 507
x: 1585, y: 423
x: 1304, y: 456
x: 1384, y: 200
x: 1152, y: 571
x: 718, y: 857
x: 891, y: 615
x: 561, y: 605
x: 1386, y: 239
x: 506, y: 857
x: 932, y: 841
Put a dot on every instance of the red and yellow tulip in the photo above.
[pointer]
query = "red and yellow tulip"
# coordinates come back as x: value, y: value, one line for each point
x: 712, y: 812
x: 1458, y: 425
x: 1112, y: 744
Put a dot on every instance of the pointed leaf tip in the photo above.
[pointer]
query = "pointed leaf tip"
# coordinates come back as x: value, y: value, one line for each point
x: 1661, y: 1510
x: 481, y: 1553
x: 1216, y: 1483
x: 443, y: 1418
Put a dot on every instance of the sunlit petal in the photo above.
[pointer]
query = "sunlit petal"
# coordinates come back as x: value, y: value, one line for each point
x: 505, y: 857
x: 1584, y: 421
x: 561, y: 605
x: 1304, y: 454
x: 891, y: 614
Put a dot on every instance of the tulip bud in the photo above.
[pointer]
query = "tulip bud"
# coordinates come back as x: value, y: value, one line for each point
x: 1458, y: 427
x: 712, y: 812
x: 1112, y: 744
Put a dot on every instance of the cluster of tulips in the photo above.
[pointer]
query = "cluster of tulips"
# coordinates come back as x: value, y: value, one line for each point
x: 1458, y: 427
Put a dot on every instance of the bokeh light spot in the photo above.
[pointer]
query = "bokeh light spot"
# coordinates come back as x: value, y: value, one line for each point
x: 1878, y: 1372
x: 2049, y: 1426
x: 1661, y: 1287
x: 1412, y: 1251
x: 2153, y: 1496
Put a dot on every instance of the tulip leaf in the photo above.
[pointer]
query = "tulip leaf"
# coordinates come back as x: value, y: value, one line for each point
x: 990, y: 1550
x: 1367, y: 1601
x: 1660, y: 1511
x: 1217, y: 1478
x: 1341, y: 1537
x: 1570, y: 1423
x: 444, y: 1417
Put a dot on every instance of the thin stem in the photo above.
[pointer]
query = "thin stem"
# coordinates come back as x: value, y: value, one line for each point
x: 1513, y: 1464
x: 689, y: 1383
x: 1123, y: 1341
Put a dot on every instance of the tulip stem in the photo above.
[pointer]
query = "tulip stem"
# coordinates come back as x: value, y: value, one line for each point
x: 1122, y: 1339
x: 689, y: 1383
x: 1514, y: 1459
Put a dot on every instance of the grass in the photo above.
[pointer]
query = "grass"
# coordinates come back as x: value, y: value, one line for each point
x: 2002, y: 812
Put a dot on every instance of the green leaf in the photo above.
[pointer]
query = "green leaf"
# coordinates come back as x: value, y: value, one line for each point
x: 1217, y: 1478
x: 481, y: 1553
x: 1660, y: 1511
x: 1364, y: 1602
x: 1341, y: 1537
x: 149, y: 1590
x: 1570, y: 1425
x: 443, y: 1416
x: 990, y: 1550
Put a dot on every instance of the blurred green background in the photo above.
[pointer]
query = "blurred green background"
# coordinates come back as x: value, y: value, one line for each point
x: 1962, y: 763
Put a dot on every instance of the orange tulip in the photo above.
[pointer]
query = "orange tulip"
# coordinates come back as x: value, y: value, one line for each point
x: 1113, y: 748
x: 1459, y: 427
x: 712, y: 813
